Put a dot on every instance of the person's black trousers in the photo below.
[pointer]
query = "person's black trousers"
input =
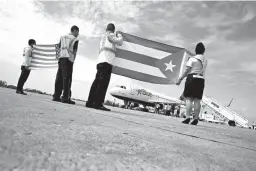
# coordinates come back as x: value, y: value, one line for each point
x: 63, y: 79
x: 100, y: 85
x: 23, y: 78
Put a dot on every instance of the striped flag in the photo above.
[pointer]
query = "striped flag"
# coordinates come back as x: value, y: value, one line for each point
x: 44, y: 56
x: 149, y: 61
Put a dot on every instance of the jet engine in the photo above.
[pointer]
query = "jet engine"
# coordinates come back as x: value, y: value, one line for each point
x: 161, y: 106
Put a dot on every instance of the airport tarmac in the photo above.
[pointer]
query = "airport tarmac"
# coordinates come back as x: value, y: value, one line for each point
x: 39, y: 134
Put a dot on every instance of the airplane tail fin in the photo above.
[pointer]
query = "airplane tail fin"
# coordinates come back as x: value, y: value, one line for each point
x: 230, y: 103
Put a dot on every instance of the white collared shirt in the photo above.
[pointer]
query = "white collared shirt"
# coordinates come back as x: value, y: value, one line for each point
x: 198, y: 65
x: 27, y: 54
x: 111, y: 40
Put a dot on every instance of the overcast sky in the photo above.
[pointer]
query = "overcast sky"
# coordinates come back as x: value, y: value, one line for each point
x: 226, y: 28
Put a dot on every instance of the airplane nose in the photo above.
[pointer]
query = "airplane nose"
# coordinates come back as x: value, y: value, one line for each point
x: 112, y: 91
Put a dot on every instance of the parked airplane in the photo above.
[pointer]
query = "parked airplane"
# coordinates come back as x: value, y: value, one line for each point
x: 142, y: 96
x: 149, y: 98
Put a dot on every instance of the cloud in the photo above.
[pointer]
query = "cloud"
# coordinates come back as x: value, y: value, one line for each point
x: 244, y: 32
x: 19, y: 26
x: 250, y: 13
x: 93, y: 17
x: 231, y: 20
x: 249, y: 67
x: 170, y: 39
x: 238, y: 77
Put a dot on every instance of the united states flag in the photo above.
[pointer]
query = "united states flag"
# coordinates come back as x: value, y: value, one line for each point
x: 44, y: 56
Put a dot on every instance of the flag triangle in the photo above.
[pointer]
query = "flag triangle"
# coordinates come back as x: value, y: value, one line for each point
x: 170, y: 65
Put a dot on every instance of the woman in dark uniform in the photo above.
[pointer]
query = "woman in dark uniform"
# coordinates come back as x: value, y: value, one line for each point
x: 194, y: 86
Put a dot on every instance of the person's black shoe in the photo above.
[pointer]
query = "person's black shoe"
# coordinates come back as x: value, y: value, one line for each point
x: 194, y: 122
x: 21, y: 92
x: 89, y: 105
x: 68, y: 101
x: 186, y: 121
x: 56, y: 100
x: 71, y: 102
x: 64, y: 100
x: 102, y: 108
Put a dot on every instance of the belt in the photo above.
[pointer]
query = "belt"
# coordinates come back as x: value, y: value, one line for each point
x: 194, y: 75
x: 198, y: 76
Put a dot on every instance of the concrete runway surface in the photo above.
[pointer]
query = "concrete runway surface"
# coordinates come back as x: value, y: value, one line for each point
x: 38, y: 134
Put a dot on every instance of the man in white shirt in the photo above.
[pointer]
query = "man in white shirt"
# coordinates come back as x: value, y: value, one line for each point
x: 253, y: 125
x: 25, y: 71
x: 68, y: 47
x: 104, y: 68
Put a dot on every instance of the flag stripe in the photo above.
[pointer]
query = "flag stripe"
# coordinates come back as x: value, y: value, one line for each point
x: 136, y: 48
x: 43, y: 63
x: 135, y: 66
x: 182, y: 67
x: 53, y: 50
x: 44, y: 48
x: 139, y: 76
x: 41, y: 67
x: 150, y: 43
x: 135, y: 57
x: 43, y: 59
x: 42, y: 54
x: 52, y: 45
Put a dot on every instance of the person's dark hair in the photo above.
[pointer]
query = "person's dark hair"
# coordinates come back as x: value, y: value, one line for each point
x: 200, y: 49
x: 74, y: 28
x: 31, y: 41
x: 110, y: 27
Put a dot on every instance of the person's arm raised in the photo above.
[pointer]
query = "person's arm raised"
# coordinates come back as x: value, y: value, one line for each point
x: 116, y: 39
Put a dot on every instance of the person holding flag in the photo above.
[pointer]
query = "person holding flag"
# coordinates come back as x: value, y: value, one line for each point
x: 25, y: 71
x: 253, y: 125
x: 68, y: 47
x: 195, y: 82
x: 104, y: 67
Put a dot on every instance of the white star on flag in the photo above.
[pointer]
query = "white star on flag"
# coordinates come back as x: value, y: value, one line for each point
x: 169, y: 66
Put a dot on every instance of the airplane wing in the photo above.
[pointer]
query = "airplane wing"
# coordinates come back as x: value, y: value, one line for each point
x: 161, y: 98
x: 166, y: 101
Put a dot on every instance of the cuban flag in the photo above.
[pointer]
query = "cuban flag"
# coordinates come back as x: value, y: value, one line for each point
x: 149, y: 61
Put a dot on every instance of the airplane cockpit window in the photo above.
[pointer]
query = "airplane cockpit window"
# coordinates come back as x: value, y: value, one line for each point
x: 123, y: 87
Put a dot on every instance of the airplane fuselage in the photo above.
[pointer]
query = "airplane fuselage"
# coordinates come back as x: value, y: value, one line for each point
x: 141, y: 96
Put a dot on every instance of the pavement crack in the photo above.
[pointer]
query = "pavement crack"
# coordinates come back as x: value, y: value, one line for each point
x: 180, y: 133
